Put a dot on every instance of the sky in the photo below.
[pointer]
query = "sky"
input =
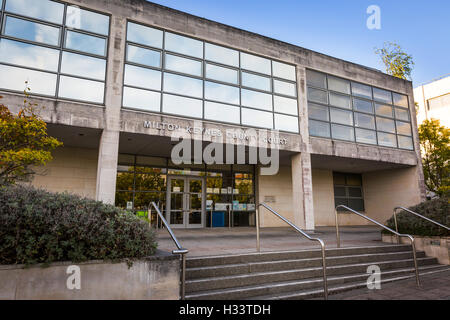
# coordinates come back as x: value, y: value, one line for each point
x: 338, y: 27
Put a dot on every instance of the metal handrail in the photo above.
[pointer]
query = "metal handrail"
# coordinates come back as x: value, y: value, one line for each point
x: 180, y: 250
x: 322, y: 244
x: 413, y: 244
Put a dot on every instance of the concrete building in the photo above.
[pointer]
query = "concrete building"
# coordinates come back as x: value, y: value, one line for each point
x: 119, y: 77
x: 434, y: 101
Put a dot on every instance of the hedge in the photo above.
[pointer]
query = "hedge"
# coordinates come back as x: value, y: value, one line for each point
x: 37, y: 226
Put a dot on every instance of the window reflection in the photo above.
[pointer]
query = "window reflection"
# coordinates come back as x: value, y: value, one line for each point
x: 221, y: 55
x: 382, y: 95
x: 222, y: 93
x: 39, y: 82
x: 83, y: 66
x: 80, y: 89
x: 384, y: 110
x: 366, y: 136
x: 143, y: 78
x: 339, y: 85
x: 78, y: 18
x: 184, y: 45
x: 341, y: 116
x: 256, y: 82
x: 141, y: 99
x: 285, y: 105
x: 403, y: 128
x: 46, y: 10
x: 286, y: 88
x: 400, y: 100
x: 183, y: 85
x: 402, y: 114
x: 317, y: 95
x: 85, y: 43
x: 386, y: 125
x: 221, y: 74
x: 286, y: 123
x: 256, y: 64
x: 145, y: 35
x: 340, y: 100
x: 362, y: 105
x: 387, y: 139
x: 364, y: 121
x: 285, y: 71
x: 147, y: 57
x: 256, y: 99
x: 318, y: 112
x: 221, y: 112
x: 319, y: 129
x: 31, y: 31
x: 342, y: 132
x: 182, y: 106
x: 183, y: 65
x: 257, y: 118
x: 316, y: 79
x: 405, y: 143
x: 361, y: 90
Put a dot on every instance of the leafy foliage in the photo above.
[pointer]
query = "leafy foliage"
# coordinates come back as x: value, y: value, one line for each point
x: 437, y: 210
x: 397, y: 62
x: 435, y: 143
x: 41, y: 227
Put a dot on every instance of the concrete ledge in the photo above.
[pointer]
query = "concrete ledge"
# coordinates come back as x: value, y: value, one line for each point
x: 152, y: 278
x: 437, y: 247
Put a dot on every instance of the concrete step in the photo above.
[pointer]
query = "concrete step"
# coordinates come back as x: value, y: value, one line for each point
x: 197, y: 262
x: 280, y: 265
x: 260, y: 278
x: 291, y: 287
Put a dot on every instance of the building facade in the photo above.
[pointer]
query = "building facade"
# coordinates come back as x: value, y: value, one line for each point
x: 119, y: 79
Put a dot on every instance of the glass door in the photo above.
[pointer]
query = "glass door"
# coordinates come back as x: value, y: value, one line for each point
x: 195, y: 202
x: 176, y: 201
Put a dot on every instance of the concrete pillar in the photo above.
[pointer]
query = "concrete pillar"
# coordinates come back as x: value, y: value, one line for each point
x: 302, y: 195
x: 109, y: 142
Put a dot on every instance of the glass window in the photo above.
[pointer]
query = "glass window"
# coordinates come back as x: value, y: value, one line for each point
x: 87, y: 20
x: 256, y: 82
x: 386, y: 125
x: 31, y: 31
x: 256, y: 99
x: 405, y: 143
x: 221, y: 55
x: 286, y: 123
x: 318, y: 112
x: 387, y: 139
x: 222, y: 112
x: 85, y: 43
x: 145, y: 35
x: 400, y: 100
x: 38, y: 82
x: 403, y: 128
x: 184, y: 45
x: 141, y: 99
x: 46, y: 10
x: 362, y: 105
x: 339, y: 100
x: 28, y: 55
x: 339, y: 85
x: 316, y: 79
x: 286, y: 88
x: 341, y: 116
x: 342, y: 132
x: 143, y: 78
x: 382, y: 95
x: 384, y: 110
x: 80, y: 89
x: 83, y: 66
x: 361, y: 90
x: 183, y: 85
x: 285, y: 105
x: 256, y: 64
x: 182, y: 106
x: 282, y: 70
x: 402, y: 114
x: 366, y: 136
x: 319, y: 129
x: 183, y: 65
x: 220, y: 92
x: 257, y: 118
x: 221, y: 74
x: 364, y: 121
x: 147, y: 57
x: 316, y: 95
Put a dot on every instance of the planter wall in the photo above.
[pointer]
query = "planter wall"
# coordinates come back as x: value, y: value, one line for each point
x: 153, y: 278
x: 437, y: 247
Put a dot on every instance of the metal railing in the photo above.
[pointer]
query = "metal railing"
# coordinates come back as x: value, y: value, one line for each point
x: 180, y: 250
x: 413, y: 244
x: 417, y: 215
x: 322, y: 244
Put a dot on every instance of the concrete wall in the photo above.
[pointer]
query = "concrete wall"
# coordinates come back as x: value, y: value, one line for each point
x: 72, y: 169
x: 154, y: 278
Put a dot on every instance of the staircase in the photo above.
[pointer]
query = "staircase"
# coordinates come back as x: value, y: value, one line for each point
x: 298, y: 274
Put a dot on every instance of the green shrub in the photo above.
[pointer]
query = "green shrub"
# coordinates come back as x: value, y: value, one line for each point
x: 437, y: 210
x: 42, y: 227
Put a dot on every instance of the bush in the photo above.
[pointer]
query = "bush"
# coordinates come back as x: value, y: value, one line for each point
x: 42, y: 227
x: 437, y: 210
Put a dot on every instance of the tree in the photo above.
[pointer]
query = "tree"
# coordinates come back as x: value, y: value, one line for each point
x: 24, y: 142
x: 435, y: 144
x: 397, y: 62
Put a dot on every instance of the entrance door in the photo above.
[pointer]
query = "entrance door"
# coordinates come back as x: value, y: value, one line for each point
x: 185, y: 202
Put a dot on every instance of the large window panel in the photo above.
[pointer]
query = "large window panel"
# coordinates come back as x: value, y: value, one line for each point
x: 366, y: 136
x: 284, y: 71
x: 341, y: 116
x: 145, y: 35
x: 255, y: 63
x: 400, y: 100
x: 256, y: 100
x: 81, y: 19
x: 222, y: 93
x: 222, y: 112
x: 183, y: 85
x: 46, y: 10
x: 318, y: 112
x: 222, y: 74
x: 382, y: 95
x: 405, y: 143
x: 384, y: 110
x: 80, y: 89
x: 361, y: 90
x: 28, y: 55
x: 402, y: 114
x: 339, y: 100
x: 285, y: 88
x: 183, y: 65
x: 147, y: 57
x: 143, y: 78
x: 364, y: 121
x: 39, y: 82
x: 85, y: 43
x: 255, y: 81
x: 257, y: 118
x: 183, y: 45
x: 316, y: 79
x: 83, y: 66
x: 31, y: 31
x: 182, y: 106
x: 319, y: 129
x: 403, y: 128
x: 339, y: 85
x: 221, y: 55
x: 362, y: 105
x: 285, y: 105
x: 141, y: 99
x: 385, y: 125
x: 286, y: 123
x: 387, y: 140
x: 342, y: 132
x: 316, y: 95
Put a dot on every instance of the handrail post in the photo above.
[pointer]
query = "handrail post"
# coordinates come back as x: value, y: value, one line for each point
x: 183, y: 276
x: 324, y: 267
x: 258, y: 243
x: 338, y: 237
x: 396, y: 225
x: 413, y: 245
